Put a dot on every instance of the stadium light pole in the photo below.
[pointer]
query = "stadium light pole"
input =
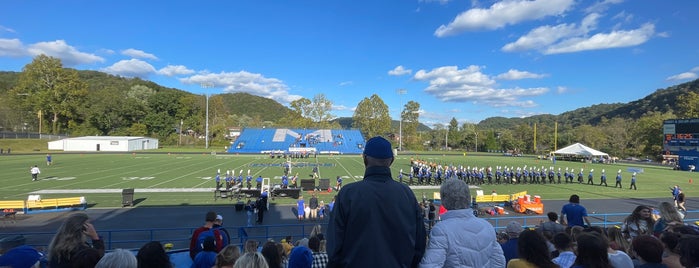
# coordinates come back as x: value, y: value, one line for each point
x: 446, y: 137
x: 400, y: 122
x: 207, y: 85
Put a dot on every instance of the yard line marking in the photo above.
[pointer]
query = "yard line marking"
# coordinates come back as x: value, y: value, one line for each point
x: 343, y: 167
x: 137, y: 190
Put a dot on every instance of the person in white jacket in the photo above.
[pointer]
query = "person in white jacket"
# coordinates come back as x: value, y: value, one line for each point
x: 461, y: 239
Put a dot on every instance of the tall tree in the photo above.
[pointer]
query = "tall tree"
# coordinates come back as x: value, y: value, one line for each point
x: 316, y: 110
x: 371, y: 117
x: 55, y: 91
x: 618, y: 136
x: 688, y: 105
x: 410, y: 117
x: 320, y: 110
x: 648, y: 133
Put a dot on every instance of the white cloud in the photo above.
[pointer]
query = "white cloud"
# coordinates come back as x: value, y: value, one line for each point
x: 544, y: 36
x: 602, y: 6
x: 613, y: 39
x: 345, y: 83
x: 138, y: 54
x: 623, y: 16
x: 399, y: 70
x: 450, y: 84
x: 541, y: 37
x: 503, y: 13
x: 5, y: 29
x: 60, y: 49
x: 173, y: 70
x: 514, y: 74
x: 12, y: 48
x: 130, y: 68
x: 106, y: 51
x: 443, y: 2
x: 692, y: 74
x: 562, y: 90
x: 243, y: 81
x: 343, y: 108
x: 683, y: 76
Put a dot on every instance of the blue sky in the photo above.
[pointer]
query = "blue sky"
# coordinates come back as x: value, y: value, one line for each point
x: 469, y: 60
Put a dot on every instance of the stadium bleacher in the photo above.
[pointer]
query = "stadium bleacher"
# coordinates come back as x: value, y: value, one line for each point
x: 287, y: 140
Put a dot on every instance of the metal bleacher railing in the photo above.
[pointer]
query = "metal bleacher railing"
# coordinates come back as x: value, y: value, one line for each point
x: 180, y: 237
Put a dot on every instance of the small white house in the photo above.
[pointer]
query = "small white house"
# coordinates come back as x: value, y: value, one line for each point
x: 104, y: 144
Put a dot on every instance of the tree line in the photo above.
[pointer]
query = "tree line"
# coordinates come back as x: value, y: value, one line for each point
x: 66, y: 101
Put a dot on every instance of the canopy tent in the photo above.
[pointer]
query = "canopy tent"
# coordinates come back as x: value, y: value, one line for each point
x: 578, y: 149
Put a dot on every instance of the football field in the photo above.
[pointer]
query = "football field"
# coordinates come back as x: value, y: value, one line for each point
x: 188, y: 178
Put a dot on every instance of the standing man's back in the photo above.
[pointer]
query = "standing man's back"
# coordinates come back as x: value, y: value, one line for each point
x: 573, y: 213
x: 376, y: 222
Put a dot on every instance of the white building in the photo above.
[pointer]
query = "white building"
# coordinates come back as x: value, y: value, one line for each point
x: 104, y: 144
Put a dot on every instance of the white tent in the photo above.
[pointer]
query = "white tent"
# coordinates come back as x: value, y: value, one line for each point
x: 578, y: 149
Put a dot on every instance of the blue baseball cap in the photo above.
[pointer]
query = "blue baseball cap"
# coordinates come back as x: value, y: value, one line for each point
x: 300, y: 257
x: 378, y: 147
x: 20, y: 257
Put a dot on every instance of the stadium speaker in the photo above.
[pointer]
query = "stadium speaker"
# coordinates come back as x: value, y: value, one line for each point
x: 250, y: 192
x: 127, y: 197
x: 308, y: 184
x: 293, y: 193
x: 324, y: 184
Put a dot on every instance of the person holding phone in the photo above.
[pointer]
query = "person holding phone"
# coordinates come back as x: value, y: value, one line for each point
x: 76, y: 243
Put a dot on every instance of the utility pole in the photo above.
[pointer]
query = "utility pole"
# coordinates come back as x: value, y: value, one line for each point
x: 207, y: 85
x: 400, y: 123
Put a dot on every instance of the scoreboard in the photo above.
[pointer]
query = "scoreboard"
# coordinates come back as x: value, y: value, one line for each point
x: 681, y: 137
x: 680, y: 133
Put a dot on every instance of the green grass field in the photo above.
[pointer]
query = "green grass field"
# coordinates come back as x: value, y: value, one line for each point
x: 182, y: 178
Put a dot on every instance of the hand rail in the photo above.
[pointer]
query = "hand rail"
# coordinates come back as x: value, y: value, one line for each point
x: 180, y: 236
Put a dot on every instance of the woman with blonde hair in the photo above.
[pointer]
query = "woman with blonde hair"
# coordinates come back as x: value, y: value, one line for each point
x: 316, y: 231
x: 617, y: 240
x: 69, y: 245
x: 669, y: 217
x: 227, y: 256
x: 251, y: 260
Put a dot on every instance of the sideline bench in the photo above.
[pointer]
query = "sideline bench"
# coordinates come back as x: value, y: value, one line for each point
x: 498, y: 198
x: 66, y: 203
x: 492, y: 198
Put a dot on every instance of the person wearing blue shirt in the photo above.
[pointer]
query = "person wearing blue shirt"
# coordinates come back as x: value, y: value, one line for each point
x: 229, y: 180
x: 285, y: 182
x: 259, y: 182
x: 339, y: 182
x: 618, y: 179
x: 240, y: 179
x: 603, y: 179
x: 573, y: 213
x: 633, y: 181
x: 300, y: 208
x: 558, y: 174
x: 248, y: 179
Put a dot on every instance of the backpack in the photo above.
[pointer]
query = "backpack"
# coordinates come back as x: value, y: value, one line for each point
x: 213, y: 233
